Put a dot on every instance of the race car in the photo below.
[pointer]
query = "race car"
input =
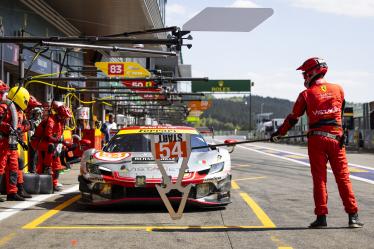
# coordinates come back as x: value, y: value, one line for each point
x: 125, y: 170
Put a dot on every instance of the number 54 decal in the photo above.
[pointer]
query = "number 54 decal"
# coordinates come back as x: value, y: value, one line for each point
x: 171, y: 150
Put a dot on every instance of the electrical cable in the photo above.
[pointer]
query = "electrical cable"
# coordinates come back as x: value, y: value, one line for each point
x: 48, y: 84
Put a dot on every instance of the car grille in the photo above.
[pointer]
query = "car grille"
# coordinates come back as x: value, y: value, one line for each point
x: 152, y: 192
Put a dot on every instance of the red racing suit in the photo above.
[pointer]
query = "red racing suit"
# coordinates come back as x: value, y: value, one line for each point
x: 47, y: 136
x: 324, y: 103
x: 8, y: 157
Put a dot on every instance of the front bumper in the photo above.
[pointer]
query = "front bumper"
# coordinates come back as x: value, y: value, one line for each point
x: 101, y: 193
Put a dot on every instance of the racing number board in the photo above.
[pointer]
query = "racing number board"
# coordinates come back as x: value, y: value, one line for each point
x: 169, y: 146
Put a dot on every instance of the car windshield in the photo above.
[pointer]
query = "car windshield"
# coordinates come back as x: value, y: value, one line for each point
x: 142, y: 143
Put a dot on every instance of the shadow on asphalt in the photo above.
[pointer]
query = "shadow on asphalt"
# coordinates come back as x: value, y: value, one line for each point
x: 239, y: 229
x: 128, y: 208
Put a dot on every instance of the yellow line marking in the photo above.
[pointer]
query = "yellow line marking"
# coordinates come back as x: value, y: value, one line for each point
x: 234, y: 185
x: 280, y: 244
x: 250, y: 178
x: 351, y: 169
x: 7, y: 238
x: 296, y: 156
x: 265, y: 220
x: 148, y: 228
x: 34, y: 224
x: 357, y: 170
x: 261, y: 215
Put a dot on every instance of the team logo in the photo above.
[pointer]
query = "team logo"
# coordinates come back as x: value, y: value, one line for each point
x: 111, y: 157
x: 220, y: 83
x: 324, y: 88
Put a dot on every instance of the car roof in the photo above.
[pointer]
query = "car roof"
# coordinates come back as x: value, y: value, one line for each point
x: 157, y: 129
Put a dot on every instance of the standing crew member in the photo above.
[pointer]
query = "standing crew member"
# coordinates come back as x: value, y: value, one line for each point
x: 34, y: 114
x: 11, y: 126
x: 45, y: 141
x: 107, y: 127
x: 324, y: 103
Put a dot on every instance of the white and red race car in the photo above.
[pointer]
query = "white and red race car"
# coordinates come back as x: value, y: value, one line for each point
x: 125, y: 170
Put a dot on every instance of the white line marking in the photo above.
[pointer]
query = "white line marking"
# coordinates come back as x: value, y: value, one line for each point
x: 32, y: 202
x: 299, y: 162
x: 303, y: 163
x: 299, y: 154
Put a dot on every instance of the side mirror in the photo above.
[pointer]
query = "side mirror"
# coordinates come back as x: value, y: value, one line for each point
x: 230, y: 148
x: 212, y: 147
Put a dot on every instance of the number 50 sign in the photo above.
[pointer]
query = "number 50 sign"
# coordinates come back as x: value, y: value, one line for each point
x: 169, y: 146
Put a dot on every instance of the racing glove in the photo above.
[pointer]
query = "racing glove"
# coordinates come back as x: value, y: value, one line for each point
x: 275, y: 137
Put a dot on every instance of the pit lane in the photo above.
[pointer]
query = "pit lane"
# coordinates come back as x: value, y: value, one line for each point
x: 280, y: 188
x: 152, y: 217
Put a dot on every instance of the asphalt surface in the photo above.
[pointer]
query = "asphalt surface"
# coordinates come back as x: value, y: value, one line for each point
x: 272, y: 206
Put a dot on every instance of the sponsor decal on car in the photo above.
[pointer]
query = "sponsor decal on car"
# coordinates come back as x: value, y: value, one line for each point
x: 149, y: 159
x: 170, y: 146
x: 111, y: 157
x: 157, y: 129
x: 213, y: 179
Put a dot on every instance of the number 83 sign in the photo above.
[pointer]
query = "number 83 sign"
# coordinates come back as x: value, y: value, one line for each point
x: 169, y: 146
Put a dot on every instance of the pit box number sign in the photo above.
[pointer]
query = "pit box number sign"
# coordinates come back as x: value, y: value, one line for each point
x: 115, y: 69
x: 168, y: 146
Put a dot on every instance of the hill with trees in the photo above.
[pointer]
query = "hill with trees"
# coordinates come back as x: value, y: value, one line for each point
x: 233, y: 113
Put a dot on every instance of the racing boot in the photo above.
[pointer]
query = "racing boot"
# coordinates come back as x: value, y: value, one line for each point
x: 57, y: 188
x: 1, y: 199
x: 320, y: 222
x: 14, y: 197
x: 22, y: 192
x: 354, y: 221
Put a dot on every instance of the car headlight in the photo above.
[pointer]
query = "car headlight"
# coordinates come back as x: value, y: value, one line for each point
x: 202, y: 190
x: 216, y: 167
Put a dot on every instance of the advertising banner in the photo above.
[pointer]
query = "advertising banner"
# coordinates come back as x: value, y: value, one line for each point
x: 219, y: 86
x: 201, y: 105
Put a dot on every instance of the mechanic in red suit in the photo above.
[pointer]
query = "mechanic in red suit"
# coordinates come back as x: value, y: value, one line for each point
x: 3, y: 89
x: 12, y: 125
x: 45, y: 141
x: 34, y: 114
x: 33, y: 105
x: 323, y: 103
x: 3, y: 93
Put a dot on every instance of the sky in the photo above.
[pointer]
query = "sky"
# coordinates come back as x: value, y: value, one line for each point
x: 339, y: 31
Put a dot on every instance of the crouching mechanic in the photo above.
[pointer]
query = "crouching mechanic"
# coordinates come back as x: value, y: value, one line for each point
x: 12, y: 125
x: 323, y: 103
x: 45, y: 141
